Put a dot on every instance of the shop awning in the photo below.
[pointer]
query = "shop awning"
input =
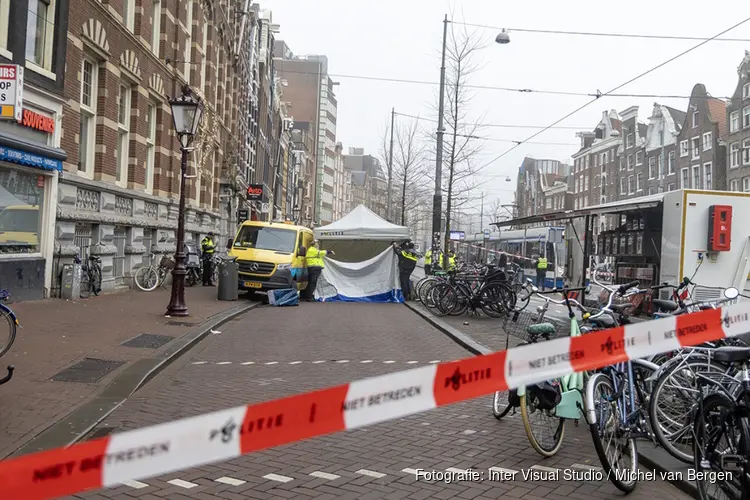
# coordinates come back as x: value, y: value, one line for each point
x: 614, y: 207
x: 22, y: 151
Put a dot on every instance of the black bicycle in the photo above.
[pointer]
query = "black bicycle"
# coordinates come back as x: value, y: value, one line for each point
x: 6, y: 342
x: 91, y: 276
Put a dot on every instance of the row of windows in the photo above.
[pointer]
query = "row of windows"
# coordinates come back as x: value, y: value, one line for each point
x: 739, y: 155
x: 735, y: 123
x: 40, y: 31
x: 695, y: 145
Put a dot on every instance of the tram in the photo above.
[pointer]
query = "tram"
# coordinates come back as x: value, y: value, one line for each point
x: 524, y: 246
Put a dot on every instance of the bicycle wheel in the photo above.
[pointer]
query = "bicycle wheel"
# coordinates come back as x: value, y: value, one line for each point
x: 215, y: 276
x: 86, y: 285
x: 463, y: 299
x: 673, y: 403
x: 445, y: 298
x: 6, y: 341
x: 494, y: 301
x: 192, y: 277
x: 544, y: 430
x: 501, y: 404
x: 721, y: 438
x: 617, y: 452
x: 146, y: 278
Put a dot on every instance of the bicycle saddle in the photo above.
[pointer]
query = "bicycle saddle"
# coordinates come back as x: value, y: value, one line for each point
x: 666, y: 305
x: 604, y: 321
x: 731, y: 354
x: 620, y: 308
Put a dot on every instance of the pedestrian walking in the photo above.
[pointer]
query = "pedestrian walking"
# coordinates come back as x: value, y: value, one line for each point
x: 315, y: 265
x: 407, y: 261
x: 541, y: 271
x: 428, y: 262
x: 208, y: 248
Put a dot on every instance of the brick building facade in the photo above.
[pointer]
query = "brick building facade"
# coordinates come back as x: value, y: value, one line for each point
x: 738, y: 131
x: 119, y: 191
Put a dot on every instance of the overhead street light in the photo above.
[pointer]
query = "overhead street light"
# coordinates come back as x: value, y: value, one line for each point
x: 502, y: 38
x: 187, y: 111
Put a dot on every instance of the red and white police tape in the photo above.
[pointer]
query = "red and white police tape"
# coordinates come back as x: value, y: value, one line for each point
x: 223, y: 435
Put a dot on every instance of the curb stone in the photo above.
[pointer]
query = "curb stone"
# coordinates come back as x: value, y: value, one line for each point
x: 649, y: 455
x: 78, y: 424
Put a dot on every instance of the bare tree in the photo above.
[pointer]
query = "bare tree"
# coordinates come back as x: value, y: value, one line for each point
x: 409, y: 173
x: 460, y: 146
x: 497, y: 210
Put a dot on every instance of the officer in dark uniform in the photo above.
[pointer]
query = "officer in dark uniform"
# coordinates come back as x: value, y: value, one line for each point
x: 208, y: 247
x: 407, y: 261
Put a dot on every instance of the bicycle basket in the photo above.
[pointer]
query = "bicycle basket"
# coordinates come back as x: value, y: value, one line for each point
x: 527, y: 327
x: 166, y: 263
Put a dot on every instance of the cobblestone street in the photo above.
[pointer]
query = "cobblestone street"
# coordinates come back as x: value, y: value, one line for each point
x: 271, y: 353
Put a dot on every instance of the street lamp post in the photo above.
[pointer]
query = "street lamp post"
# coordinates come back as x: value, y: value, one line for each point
x: 187, y: 111
x: 437, y: 199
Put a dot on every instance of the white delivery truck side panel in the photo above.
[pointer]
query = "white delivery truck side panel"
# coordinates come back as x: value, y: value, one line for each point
x: 719, y: 269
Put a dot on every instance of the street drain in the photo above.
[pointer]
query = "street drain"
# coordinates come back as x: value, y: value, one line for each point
x: 148, y: 341
x: 180, y: 323
x: 88, y: 371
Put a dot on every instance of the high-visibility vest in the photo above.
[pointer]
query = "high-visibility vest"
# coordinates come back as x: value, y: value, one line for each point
x: 452, y: 262
x: 409, y: 255
x: 428, y: 258
x: 314, y: 257
x: 542, y: 263
x: 207, y: 245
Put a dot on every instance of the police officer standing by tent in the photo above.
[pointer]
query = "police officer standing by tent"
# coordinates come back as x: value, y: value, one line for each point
x: 407, y: 261
x: 208, y: 247
x: 315, y: 264
x: 541, y: 272
x: 428, y: 262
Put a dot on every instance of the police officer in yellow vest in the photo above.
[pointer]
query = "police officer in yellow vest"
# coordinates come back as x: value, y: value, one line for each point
x: 428, y: 262
x: 208, y: 247
x: 541, y: 272
x: 315, y: 265
x: 452, y: 266
x: 407, y: 261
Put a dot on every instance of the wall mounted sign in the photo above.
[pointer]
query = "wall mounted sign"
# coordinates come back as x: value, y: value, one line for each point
x: 11, y: 92
x: 37, y: 121
x: 22, y: 158
x: 255, y: 192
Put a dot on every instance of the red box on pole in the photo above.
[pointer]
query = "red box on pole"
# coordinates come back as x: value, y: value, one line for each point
x: 719, y: 228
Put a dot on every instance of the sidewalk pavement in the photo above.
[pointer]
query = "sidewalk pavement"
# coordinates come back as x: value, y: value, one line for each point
x: 57, y: 334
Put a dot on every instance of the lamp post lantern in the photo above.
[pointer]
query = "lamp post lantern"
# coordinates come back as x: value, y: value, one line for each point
x: 187, y: 111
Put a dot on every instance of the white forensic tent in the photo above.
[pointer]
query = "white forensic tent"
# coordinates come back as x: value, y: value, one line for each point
x: 364, y: 267
x: 359, y: 235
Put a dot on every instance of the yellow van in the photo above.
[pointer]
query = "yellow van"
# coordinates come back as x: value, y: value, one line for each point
x: 271, y: 255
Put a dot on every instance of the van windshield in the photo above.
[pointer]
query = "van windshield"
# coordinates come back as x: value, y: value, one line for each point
x: 266, y: 238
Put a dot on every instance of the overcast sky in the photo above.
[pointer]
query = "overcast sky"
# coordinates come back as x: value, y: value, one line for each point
x: 401, y: 39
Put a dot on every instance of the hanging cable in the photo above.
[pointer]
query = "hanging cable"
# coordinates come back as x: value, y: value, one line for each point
x: 605, y: 34
x: 637, y: 77
x: 490, y: 87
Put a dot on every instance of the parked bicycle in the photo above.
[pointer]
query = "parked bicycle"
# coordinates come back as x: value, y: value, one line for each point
x: 722, y: 429
x: 7, y: 340
x: 91, y: 276
x: 150, y: 277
